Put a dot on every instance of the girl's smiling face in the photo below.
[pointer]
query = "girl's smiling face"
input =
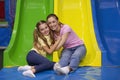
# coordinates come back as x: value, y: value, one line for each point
x: 44, y: 29
x: 53, y: 23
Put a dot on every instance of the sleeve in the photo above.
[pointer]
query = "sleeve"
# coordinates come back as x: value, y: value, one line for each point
x: 41, y: 42
x: 66, y: 29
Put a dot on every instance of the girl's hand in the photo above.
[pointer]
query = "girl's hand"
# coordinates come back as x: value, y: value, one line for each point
x: 59, y: 38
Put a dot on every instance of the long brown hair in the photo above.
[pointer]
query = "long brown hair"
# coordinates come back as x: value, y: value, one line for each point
x: 37, y: 34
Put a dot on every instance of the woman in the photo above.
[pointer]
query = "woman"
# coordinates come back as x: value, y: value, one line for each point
x: 74, y: 49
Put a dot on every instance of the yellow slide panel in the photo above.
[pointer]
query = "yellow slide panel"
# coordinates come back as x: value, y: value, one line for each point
x: 78, y: 15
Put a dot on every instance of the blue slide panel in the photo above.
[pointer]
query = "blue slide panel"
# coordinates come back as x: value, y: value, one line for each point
x: 106, y: 16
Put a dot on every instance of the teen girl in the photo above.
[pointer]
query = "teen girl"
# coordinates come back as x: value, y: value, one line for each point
x: 74, y: 49
x: 44, y: 43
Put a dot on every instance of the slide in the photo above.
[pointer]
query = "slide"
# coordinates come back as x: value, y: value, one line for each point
x: 76, y: 13
x: 28, y: 13
x: 106, y: 14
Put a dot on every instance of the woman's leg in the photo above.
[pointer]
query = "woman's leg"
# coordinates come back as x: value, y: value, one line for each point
x: 39, y: 62
x: 77, y: 56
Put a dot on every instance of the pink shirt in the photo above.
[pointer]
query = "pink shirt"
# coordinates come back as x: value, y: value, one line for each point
x: 72, y: 40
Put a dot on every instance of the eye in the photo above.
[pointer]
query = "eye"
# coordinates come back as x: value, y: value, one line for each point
x: 41, y: 29
x: 46, y: 27
x: 53, y: 21
x: 49, y: 23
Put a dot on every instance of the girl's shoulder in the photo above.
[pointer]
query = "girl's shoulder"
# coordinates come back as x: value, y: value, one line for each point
x: 48, y: 36
x: 65, y: 26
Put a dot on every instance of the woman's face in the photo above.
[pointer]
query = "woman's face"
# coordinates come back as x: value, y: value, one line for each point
x: 44, y: 29
x: 53, y: 23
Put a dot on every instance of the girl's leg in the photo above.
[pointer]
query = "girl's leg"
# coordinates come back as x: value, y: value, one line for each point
x: 77, y: 56
x: 65, y: 57
x: 39, y: 62
x: 72, y: 57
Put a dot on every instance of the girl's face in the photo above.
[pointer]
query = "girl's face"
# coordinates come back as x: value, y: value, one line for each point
x: 53, y: 23
x: 44, y: 29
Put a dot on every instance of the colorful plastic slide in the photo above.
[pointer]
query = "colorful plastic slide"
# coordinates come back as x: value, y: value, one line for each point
x: 76, y: 13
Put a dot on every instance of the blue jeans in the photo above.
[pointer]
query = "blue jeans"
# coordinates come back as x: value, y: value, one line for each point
x: 38, y: 61
x: 72, y: 56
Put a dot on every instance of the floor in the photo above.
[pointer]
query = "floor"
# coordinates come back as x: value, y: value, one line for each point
x: 83, y: 73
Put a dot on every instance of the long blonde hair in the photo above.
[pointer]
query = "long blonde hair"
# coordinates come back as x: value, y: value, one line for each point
x: 35, y: 40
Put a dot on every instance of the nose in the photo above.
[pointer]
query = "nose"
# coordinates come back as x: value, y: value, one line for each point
x: 52, y: 24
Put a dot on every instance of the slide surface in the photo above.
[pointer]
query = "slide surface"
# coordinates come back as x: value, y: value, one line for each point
x: 107, y: 23
x: 28, y: 13
x: 78, y: 15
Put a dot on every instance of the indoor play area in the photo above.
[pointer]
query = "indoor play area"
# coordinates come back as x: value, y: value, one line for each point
x: 96, y: 22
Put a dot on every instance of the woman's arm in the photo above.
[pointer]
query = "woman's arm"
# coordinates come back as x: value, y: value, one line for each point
x: 52, y: 47
x: 64, y: 38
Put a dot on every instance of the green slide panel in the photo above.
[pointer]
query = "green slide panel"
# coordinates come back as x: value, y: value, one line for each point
x: 28, y: 13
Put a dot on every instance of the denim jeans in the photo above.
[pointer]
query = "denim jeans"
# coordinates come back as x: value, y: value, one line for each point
x: 72, y: 56
x: 38, y: 61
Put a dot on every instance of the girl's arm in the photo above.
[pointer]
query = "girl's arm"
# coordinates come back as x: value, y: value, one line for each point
x: 52, y: 47
x: 64, y: 38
